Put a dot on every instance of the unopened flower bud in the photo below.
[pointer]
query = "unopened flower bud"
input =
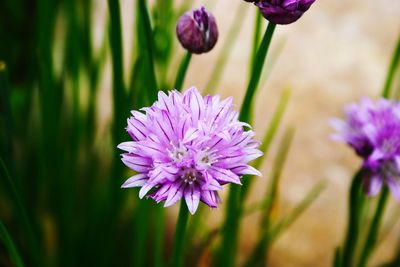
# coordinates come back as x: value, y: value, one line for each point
x: 197, y: 31
x: 283, y: 11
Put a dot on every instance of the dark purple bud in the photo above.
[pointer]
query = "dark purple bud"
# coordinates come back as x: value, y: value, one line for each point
x: 283, y: 11
x: 197, y: 31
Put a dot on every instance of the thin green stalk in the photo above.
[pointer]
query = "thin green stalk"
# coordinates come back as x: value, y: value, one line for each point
x: 180, y: 77
x: 228, y: 246
x: 141, y: 224
x: 26, y: 223
x: 245, y: 114
x: 10, y: 246
x: 374, y: 229
x: 392, y: 69
x: 336, y: 259
x: 267, y: 139
x: 178, y: 251
x: 119, y: 96
x: 226, y: 49
x: 260, y: 253
x: 147, y: 48
x: 356, y: 200
x: 6, y: 150
x: 159, y: 237
x: 256, y: 37
x: 119, y: 114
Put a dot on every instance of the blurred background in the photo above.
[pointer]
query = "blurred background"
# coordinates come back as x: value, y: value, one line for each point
x: 58, y: 138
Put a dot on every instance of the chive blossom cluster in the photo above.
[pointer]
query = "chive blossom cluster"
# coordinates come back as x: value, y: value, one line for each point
x: 372, y: 129
x: 282, y: 11
x: 188, y: 146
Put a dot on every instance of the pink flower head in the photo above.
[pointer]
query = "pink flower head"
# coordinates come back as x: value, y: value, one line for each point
x: 372, y: 129
x: 188, y: 146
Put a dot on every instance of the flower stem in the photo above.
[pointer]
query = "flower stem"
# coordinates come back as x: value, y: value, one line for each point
x: 256, y: 37
x: 392, y: 69
x: 228, y: 245
x: 159, y: 237
x: 373, y: 231
x: 180, y: 77
x: 355, y: 205
x: 245, y: 114
x: 178, y: 251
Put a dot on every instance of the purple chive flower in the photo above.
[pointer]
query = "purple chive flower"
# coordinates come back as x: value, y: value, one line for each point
x: 282, y: 11
x: 372, y: 128
x: 188, y: 146
x: 197, y: 31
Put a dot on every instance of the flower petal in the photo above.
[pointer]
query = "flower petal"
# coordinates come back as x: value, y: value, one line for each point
x: 372, y: 185
x: 175, y: 193
x: 192, y: 198
x: 224, y: 176
x: 136, y: 180
x: 394, y: 187
x: 145, y: 189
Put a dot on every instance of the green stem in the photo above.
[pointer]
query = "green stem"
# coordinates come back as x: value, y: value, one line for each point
x: 159, y: 237
x: 6, y: 150
x: 256, y: 37
x: 245, y: 114
x: 392, y: 69
x: 180, y: 77
x: 11, y: 247
x: 260, y: 253
x: 25, y: 221
x: 178, y: 252
x: 229, y: 242
x: 372, y: 238
x: 266, y: 141
x: 148, y: 49
x: 355, y: 205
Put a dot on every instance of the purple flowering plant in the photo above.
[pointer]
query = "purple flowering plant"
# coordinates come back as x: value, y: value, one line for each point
x: 188, y: 146
x: 282, y: 11
x: 372, y: 129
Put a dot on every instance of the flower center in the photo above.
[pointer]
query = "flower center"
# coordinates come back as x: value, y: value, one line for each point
x: 178, y: 153
x: 189, y: 176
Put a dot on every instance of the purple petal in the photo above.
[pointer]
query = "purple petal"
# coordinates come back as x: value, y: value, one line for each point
x: 224, y: 176
x: 241, y: 170
x: 175, y: 193
x: 145, y: 189
x: 394, y: 187
x: 192, y: 198
x: 212, y: 185
x: 372, y: 185
x: 127, y: 146
x: 136, y: 180
x: 210, y: 198
x: 136, y: 163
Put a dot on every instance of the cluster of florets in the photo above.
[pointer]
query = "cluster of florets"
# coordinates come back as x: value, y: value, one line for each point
x: 282, y: 11
x: 372, y: 128
x: 188, y: 146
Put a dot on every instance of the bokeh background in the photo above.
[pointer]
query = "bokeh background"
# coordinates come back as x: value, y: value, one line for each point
x: 336, y: 53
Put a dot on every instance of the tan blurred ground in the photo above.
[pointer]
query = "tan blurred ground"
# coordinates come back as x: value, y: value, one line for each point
x: 338, y: 52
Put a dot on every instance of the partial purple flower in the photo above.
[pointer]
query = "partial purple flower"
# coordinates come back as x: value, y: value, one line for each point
x: 372, y: 128
x: 188, y: 146
x: 282, y: 11
x: 197, y: 31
